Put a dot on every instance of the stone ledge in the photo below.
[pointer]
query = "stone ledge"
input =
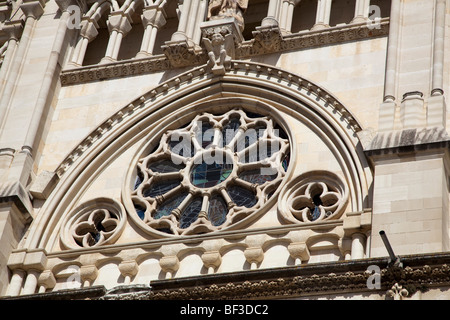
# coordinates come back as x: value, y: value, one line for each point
x: 16, y: 193
x: 408, y: 140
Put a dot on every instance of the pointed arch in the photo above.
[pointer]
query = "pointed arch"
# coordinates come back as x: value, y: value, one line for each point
x: 259, y: 85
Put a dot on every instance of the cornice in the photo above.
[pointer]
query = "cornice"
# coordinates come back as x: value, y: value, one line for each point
x: 420, y: 274
x: 266, y: 41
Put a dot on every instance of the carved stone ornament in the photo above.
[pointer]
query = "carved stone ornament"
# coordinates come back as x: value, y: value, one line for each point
x: 313, y: 196
x: 96, y: 222
x: 267, y: 39
x: 220, y: 38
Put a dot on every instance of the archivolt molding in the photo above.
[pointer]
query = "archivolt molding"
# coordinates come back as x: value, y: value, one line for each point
x: 256, y: 84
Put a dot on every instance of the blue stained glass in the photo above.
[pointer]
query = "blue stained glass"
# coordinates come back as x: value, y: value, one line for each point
x: 165, y: 166
x: 255, y: 176
x: 139, y: 179
x: 285, y: 162
x: 208, y: 175
x: 217, y: 211
x: 169, y: 205
x: 182, y: 146
x: 190, y: 214
x: 242, y: 197
x: 229, y: 130
x: 157, y: 189
x: 316, y: 211
x: 205, y: 136
x: 140, y: 211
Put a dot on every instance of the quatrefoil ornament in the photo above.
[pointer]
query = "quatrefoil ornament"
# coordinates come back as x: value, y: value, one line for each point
x: 96, y: 229
x: 96, y: 222
x: 313, y: 196
x: 315, y: 202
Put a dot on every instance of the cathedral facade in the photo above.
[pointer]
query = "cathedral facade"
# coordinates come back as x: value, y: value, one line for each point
x: 223, y: 149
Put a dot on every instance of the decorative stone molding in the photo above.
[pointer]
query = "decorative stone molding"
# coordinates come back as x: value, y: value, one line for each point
x: 185, y: 78
x: 397, y: 292
x: 170, y: 265
x: 88, y: 274
x: 180, y: 54
x: 96, y: 222
x: 267, y: 39
x: 313, y: 197
x: 220, y: 38
x: 46, y: 281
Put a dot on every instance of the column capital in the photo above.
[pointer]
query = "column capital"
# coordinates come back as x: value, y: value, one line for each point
x: 33, y: 8
x: 65, y: 4
x: 13, y: 29
x: 118, y: 21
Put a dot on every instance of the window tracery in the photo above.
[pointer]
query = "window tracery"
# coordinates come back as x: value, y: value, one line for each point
x: 215, y: 171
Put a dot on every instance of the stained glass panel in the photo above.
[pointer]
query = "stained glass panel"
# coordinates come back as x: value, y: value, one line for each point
x: 190, y: 214
x: 159, y: 188
x: 140, y: 210
x: 165, y: 166
x: 181, y: 146
x: 242, y: 197
x: 139, y: 179
x: 285, y: 162
x: 217, y: 211
x: 205, y: 134
x: 208, y: 175
x: 169, y: 205
x: 229, y: 130
x: 256, y: 176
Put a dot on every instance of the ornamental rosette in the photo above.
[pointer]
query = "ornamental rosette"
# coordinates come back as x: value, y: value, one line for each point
x: 209, y: 174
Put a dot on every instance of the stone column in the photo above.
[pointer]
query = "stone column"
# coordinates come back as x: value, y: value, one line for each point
x: 358, y: 241
x: 15, y: 285
x: 322, y: 15
x: 88, y: 274
x: 34, y: 263
x: 170, y: 265
x: 118, y: 26
x: 33, y: 10
x: 272, y: 14
x: 153, y: 18
x: 392, y: 53
x: 287, y: 11
x: 13, y: 29
x: 87, y: 34
x: 436, y: 112
x: 361, y: 11
x: 181, y: 33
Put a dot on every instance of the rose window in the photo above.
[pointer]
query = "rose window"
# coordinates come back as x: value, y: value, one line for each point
x: 208, y: 175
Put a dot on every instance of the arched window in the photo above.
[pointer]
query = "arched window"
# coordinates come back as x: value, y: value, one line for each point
x: 209, y: 172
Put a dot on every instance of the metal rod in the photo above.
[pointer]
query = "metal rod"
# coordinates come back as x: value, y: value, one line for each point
x: 388, y: 245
